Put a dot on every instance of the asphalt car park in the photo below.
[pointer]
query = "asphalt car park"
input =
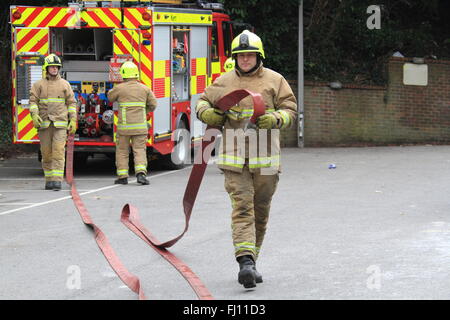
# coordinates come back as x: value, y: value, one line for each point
x: 345, y: 223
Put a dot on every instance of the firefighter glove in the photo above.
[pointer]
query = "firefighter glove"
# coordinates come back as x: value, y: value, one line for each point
x: 267, y: 121
x: 72, y: 126
x: 213, y: 116
x: 36, y: 120
x: 238, y: 114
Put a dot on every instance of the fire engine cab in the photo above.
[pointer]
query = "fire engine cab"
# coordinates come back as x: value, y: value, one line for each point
x: 179, y: 46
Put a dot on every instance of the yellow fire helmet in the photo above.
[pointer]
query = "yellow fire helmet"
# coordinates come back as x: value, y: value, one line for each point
x: 51, y: 60
x: 229, y: 64
x: 247, y: 42
x: 129, y: 70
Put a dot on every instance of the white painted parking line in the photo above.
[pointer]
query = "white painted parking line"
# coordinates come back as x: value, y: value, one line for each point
x: 84, y: 193
x: 34, y: 190
x: 42, y: 179
x: 22, y: 168
x: 16, y: 203
x: 21, y: 179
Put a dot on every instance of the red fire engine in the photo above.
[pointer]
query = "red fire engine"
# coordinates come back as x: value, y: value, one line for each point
x: 180, y: 48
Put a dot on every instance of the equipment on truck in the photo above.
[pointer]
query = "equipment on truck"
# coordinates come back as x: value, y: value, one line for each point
x: 179, y: 47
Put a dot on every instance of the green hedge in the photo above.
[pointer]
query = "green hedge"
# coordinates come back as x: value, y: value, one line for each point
x: 337, y: 43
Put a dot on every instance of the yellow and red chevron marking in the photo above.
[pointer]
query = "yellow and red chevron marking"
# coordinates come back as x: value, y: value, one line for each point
x: 146, y: 65
x: 127, y: 42
x: 133, y: 18
x: 13, y: 84
x: 41, y: 17
x: 199, y: 73
x: 102, y: 17
x: 131, y: 41
x: 25, y: 129
x: 32, y: 40
x: 161, y: 79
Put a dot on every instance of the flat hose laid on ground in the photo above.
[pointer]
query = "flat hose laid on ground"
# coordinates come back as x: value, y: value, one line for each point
x: 130, y: 215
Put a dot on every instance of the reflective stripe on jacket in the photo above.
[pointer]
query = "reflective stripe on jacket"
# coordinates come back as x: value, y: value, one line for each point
x: 279, y: 100
x: 135, y: 100
x: 53, y: 99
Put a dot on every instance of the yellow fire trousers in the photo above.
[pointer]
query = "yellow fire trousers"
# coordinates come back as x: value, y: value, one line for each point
x: 139, y: 146
x: 251, y: 196
x: 53, y: 142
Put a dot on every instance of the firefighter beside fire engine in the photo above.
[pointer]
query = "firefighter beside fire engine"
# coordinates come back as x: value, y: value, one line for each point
x: 251, y: 178
x: 52, y: 104
x: 135, y: 102
x: 229, y: 64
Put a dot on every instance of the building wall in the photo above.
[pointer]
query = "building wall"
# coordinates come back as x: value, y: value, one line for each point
x: 379, y: 115
x: 288, y: 137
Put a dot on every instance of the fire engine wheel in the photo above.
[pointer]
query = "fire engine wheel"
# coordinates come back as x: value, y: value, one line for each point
x: 181, y: 151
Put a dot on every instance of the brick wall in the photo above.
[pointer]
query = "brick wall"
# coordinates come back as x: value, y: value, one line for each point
x: 288, y: 137
x: 378, y: 115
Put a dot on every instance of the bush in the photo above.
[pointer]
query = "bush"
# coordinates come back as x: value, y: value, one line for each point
x: 337, y: 43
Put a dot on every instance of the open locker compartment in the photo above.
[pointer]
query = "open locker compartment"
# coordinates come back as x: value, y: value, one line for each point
x: 180, y: 64
x: 86, y: 55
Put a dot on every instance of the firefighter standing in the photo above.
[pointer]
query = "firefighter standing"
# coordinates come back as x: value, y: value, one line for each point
x: 52, y: 104
x: 250, y: 178
x: 135, y: 101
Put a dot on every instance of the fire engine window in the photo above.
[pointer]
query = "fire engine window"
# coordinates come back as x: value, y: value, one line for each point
x: 214, y: 46
x: 227, y: 38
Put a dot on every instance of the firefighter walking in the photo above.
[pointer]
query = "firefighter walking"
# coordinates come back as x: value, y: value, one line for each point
x: 251, y: 177
x: 135, y: 102
x: 52, y: 105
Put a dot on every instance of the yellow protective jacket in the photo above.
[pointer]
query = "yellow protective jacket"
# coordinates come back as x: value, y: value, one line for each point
x: 262, y: 147
x: 135, y: 100
x: 53, y: 99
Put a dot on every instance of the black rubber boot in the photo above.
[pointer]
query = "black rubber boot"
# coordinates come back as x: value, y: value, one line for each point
x: 258, y: 276
x: 56, y: 185
x: 121, y: 181
x: 142, y: 179
x: 246, y: 275
x: 49, y: 185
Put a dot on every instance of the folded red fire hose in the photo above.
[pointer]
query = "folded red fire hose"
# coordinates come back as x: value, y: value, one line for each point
x: 130, y: 216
